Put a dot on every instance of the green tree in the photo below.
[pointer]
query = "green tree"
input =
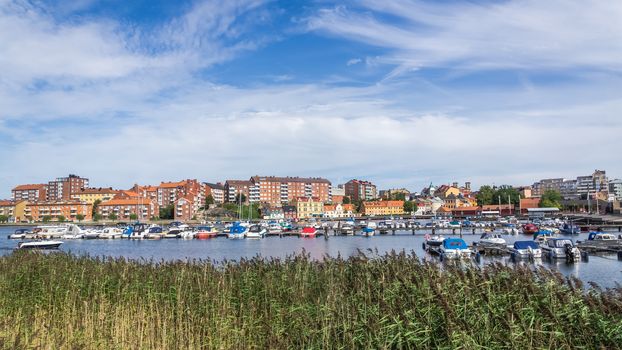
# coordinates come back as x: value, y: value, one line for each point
x: 80, y: 217
x: 61, y: 218
x: 485, y: 195
x: 237, y: 198
x: 346, y: 200
x: 97, y: 217
x: 4, y: 218
x: 167, y: 212
x: 133, y: 216
x: 550, y: 199
x: 410, y: 206
x: 506, y: 192
x: 95, y: 207
x: 112, y: 216
x: 209, y: 200
x: 47, y: 218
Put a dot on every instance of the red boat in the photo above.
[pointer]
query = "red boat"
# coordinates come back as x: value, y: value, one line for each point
x: 205, y: 232
x: 308, y: 232
x: 530, y: 229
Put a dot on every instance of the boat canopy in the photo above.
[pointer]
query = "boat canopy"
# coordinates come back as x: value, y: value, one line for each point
x: 368, y: 229
x: 237, y: 228
x: 560, y: 242
x: 525, y: 245
x: 204, y: 228
x: 155, y: 229
x: 308, y: 230
x: 454, y: 243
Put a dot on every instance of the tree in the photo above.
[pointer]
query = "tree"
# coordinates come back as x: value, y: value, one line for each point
x: 237, y: 198
x: 506, y: 192
x: 79, y: 217
x: 346, y: 200
x: 4, y: 218
x: 485, y: 195
x: 112, y: 216
x: 168, y: 212
x: 133, y: 216
x: 398, y: 196
x: 410, y: 206
x: 47, y: 218
x: 550, y: 199
x: 97, y: 217
x: 60, y: 218
x: 96, y: 206
x: 209, y: 200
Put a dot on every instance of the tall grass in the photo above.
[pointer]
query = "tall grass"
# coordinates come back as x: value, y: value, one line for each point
x: 396, y: 301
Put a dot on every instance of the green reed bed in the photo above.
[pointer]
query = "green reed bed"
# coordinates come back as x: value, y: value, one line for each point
x: 396, y: 301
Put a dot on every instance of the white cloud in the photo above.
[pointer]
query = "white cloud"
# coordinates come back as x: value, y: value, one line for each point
x: 353, y: 61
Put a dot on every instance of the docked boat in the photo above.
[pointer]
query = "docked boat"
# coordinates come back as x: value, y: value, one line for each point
x: 237, y: 231
x: 347, y: 228
x: 50, y: 232
x: 274, y: 228
x: 173, y: 232
x: 601, y: 241
x: 20, y: 233
x: 308, y: 232
x: 42, y: 244
x: 526, y: 250
x: 110, y: 233
x: 569, y: 229
x: 454, y: 248
x: 256, y: 231
x: 368, y: 231
x: 491, y: 239
x: 454, y: 224
x: 73, y: 232
x: 558, y: 248
x: 136, y: 231
x: 205, y: 232
x: 154, y: 232
x: 530, y: 229
x: 433, y: 242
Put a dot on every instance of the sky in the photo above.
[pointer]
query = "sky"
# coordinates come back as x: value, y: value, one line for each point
x: 398, y: 92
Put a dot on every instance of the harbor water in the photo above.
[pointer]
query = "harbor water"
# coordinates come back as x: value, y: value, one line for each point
x: 604, y: 270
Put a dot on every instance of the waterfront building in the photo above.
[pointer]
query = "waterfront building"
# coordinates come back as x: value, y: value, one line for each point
x: 272, y: 213
x: 544, y: 185
x: 170, y: 192
x: 30, y: 192
x: 360, y: 190
x: 383, y: 208
x: 525, y: 191
x: 334, y: 211
x: 68, y: 209
x: 185, y: 208
x: 444, y: 191
x: 13, y: 210
x: 290, y: 213
x: 149, y: 192
x: 217, y: 191
x: 466, y: 212
x: 528, y: 203
x: 615, y: 189
x: 123, y: 208
x: 307, y: 207
x: 393, y: 192
x: 337, y: 194
x: 596, y: 185
x: 276, y: 191
x: 90, y: 195
x: 233, y: 188
x: 63, y: 188
x: 496, y: 209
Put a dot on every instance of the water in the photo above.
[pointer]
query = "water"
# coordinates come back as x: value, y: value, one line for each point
x: 604, y: 270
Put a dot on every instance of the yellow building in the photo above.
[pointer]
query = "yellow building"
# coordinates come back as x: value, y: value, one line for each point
x: 309, y: 207
x: 383, y: 208
x: 14, y: 210
x: 90, y: 195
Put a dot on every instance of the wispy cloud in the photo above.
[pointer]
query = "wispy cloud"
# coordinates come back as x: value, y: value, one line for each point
x: 353, y: 61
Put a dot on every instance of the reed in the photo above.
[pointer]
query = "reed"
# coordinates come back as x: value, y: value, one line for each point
x: 396, y: 301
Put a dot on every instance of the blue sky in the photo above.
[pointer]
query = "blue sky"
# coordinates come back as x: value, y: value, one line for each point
x: 398, y: 92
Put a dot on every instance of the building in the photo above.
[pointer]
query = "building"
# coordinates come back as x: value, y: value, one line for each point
x: 143, y: 208
x: 217, y: 191
x: 54, y: 210
x: 383, y: 208
x: 444, y: 191
x: 281, y: 190
x: 30, y: 192
x: 169, y: 192
x: 148, y: 192
x: 496, y: 209
x: 615, y: 189
x: 466, y: 212
x: 233, y: 188
x: 338, y: 211
x: 528, y: 203
x: 359, y: 190
x: 272, y: 213
x: 597, y: 183
x: 525, y: 192
x: 63, y: 188
x: 308, y: 207
x: 394, y: 193
x: 544, y: 185
x: 568, y: 189
x: 337, y: 194
x: 185, y: 208
x: 90, y: 195
x: 289, y: 212
x: 13, y: 210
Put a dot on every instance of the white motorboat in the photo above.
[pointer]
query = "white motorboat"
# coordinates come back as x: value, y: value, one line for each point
x: 454, y: 248
x: 256, y: 231
x: 43, y: 244
x: 491, y: 238
x: 111, y: 233
x: 49, y: 232
x: 433, y: 242
x: 73, y: 232
x: 274, y: 228
x: 526, y: 250
x: 20, y: 233
x: 237, y: 231
x: 556, y: 248
x: 368, y: 231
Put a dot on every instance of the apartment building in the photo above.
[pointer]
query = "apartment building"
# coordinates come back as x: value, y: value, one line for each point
x: 337, y: 194
x: 615, y: 189
x: 383, y: 208
x: 68, y: 209
x: 90, y: 195
x: 185, y: 208
x: 30, y: 192
x: 169, y: 192
x: 308, y: 207
x: 63, y: 188
x: 235, y: 187
x: 13, y: 210
x: 281, y: 190
x: 217, y: 191
x: 123, y: 208
x: 538, y: 188
x: 360, y: 190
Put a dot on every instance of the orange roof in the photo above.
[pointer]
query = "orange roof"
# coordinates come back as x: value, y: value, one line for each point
x: 172, y: 184
x: 7, y: 203
x: 29, y: 187
x: 130, y: 201
x: 348, y: 207
x: 330, y: 207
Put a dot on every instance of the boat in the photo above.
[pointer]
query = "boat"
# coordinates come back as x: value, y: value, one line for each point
x: 42, y: 244
x: 73, y: 232
x: 111, y: 233
x: 237, y: 231
x: 20, y: 233
x: 491, y: 239
x: 368, y: 231
x: 154, y: 232
x: 569, y: 229
x: 530, y: 229
x: 50, y: 232
x: 205, y: 232
x: 173, y: 232
x: 372, y: 225
x: 601, y: 241
x: 454, y: 248
x: 91, y: 234
x: 274, y: 228
x: 556, y: 248
x: 347, y: 228
x: 256, y: 231
x: 526, y: 250
x: 135, y: 231
x: 454, y: 224
x: 433, y: 242
x: 308, y: 232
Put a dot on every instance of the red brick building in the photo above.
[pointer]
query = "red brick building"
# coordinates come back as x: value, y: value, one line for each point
x: 63, y: 188
x: 277, y: 191
x: 360, y: 190
x: 30, y: 192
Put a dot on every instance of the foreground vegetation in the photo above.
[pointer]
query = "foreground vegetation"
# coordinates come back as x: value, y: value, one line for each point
x: 60, y: 301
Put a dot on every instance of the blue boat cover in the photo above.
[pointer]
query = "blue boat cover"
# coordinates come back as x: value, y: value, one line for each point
x: 236, y: 228
x: 593, y: 234
x: 454, y: 243
x: 367, y: 229
x: 525, y: 245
